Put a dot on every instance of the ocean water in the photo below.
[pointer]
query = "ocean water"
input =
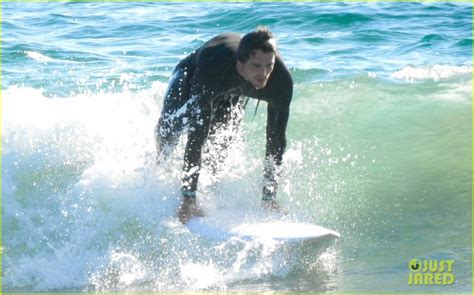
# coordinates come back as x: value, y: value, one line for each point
x: 379, y: 148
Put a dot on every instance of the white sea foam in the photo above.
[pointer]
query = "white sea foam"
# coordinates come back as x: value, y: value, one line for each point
x: 38, y: 56
x: 432, y: 72
x: 105, y: 141
x: 86, y: 208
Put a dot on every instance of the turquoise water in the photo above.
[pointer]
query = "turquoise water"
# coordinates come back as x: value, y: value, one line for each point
x: 379, y: 147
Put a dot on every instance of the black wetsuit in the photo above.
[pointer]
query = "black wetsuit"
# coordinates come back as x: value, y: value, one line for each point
x: 203, y: 92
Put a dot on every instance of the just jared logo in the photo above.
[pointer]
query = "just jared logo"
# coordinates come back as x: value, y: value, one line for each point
x: 430, y: 272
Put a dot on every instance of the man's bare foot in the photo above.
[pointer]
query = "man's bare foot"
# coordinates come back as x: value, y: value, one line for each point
x: 188, y: 209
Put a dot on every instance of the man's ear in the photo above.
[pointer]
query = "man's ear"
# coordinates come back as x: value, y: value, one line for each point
x: 239, y: 65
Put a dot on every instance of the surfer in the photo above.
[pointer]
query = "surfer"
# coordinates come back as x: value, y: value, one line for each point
x: 207, y: 89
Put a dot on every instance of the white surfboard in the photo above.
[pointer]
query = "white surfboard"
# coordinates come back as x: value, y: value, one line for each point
x: 276, y: 230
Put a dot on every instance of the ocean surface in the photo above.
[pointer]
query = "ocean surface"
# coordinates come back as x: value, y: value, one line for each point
x: 379, y: 148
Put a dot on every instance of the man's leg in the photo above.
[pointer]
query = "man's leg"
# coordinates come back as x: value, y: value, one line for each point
x: 171, y: 122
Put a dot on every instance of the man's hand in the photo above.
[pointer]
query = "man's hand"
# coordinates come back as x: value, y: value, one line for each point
x: 188, y: 209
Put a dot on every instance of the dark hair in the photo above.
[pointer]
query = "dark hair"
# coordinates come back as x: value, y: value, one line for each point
x: 260, y: 39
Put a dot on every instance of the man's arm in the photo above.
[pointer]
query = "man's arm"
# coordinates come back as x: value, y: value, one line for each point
x: 197, y: 136
x: 278, y: 92
x: 276, y: 143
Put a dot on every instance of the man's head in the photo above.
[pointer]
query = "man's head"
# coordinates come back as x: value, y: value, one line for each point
x: 256, y: 57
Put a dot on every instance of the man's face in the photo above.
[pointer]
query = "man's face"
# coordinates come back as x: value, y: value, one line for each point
x: 258, y: 68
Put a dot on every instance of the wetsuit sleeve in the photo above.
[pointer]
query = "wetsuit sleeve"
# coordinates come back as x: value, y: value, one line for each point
x: 197, y: 136
x: 199, y: 125
x: 211, y: 65
x: 277, y: 121
x: 279, y: 93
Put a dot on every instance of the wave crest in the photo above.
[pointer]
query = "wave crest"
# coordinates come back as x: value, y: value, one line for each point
x: 431, y: 72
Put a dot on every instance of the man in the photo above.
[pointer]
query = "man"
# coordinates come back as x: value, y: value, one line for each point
x: 207, y: 87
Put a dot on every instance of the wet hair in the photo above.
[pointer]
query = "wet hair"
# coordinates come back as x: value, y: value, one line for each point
x: 260, y: 39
